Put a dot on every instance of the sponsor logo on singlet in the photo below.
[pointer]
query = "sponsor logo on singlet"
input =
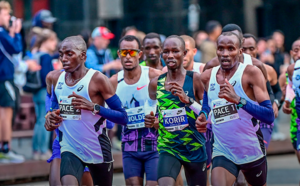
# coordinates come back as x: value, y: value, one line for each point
x: 212, y: 87
x: 80, y: 88
x: 60, y: 84
x: 233, y: 83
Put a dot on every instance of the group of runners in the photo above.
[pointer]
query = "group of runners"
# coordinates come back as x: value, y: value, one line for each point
x: 209, y: 119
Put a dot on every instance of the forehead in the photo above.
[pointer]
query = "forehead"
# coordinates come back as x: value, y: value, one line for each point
x: 296, y: 44
x: 249, y: 41
x: 151, y: 41
x: 172, y: 43
x: 228, y: 40
x: 67, y: 46
x: 129, y: 44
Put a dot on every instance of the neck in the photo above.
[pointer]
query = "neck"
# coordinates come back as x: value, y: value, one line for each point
x: 190, y: 67
x: 155, y: 65
x: 78, y: 73
x: 131, y: 74
x: 176, y: 74
x: 228, y: 72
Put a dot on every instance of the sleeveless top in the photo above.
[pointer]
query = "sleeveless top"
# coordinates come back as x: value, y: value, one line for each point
x: 81, y: 132
x: 296, y: 78
x: 135, y: 137
x: 247, y: 59
x: 187, y: 143
x: 196, y: 67
x: 239, y: 140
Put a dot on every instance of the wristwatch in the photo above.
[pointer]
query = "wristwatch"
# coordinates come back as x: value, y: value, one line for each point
x: 96, y: 109
x: 277, y: 102
x: 191, y: 101
x: 241, y: 103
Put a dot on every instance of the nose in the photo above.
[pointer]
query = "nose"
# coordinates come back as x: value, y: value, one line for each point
x: 128, y: 56
x: 225, y: 52
x: 170, y: 55
x: 64, y: 58
x: 152, y: 51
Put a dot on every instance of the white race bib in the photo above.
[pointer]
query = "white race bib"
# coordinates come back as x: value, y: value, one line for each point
x: 67, y: 111
x: 175, y: 119
x: 136, y: 117
x: 224, y: 111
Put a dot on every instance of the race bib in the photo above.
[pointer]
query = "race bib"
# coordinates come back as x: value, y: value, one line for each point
x: 175, y: 119
x: 136, y: 117
x: 224, y: 111
x: 67, y: 111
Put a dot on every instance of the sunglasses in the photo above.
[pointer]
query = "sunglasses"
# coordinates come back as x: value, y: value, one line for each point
x: 131, y: 52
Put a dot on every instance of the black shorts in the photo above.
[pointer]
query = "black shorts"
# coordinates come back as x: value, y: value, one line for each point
x: 101, y: 173
x: 169, y: 166
x: 8, y: 94
x: 254, y: 172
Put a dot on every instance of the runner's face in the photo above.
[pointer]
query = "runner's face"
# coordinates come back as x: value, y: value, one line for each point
x: 249, y: 47
x: 295, y: 52
x: 228, y: 51
x: 189, y: 57
x: 173, y: 53
x: 152, y: 50
x: 71, y: 57
x: 129, y: 62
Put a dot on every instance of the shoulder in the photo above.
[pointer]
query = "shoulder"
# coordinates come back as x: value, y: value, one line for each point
x: 114, y: 80
x: 271, y: 71
x: 98, y: 77
x: 53, y: 75
x: 154, y: 73
x: 212, y: 63
x: 205, y: 76
x: 257, y: 62
x: 165, y: 69
x: 252, y: 71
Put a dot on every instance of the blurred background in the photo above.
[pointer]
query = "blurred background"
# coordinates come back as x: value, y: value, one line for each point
x: 47, y: 22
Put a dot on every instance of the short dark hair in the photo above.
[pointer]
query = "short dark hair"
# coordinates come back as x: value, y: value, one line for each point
x: 177, y: 37
x: 278, y: 31
x: 231, y: 27
x: 230, y: 34
x: 248, y: 35
x: 128, y: 28
x: 77, y: 41
x: 152, y: 35
x: 211, y: 25
x: 130, y: 38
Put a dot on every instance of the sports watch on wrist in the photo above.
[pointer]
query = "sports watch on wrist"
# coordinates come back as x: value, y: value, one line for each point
x: 96, y: 109
x: 191, y: 101
x: 242, y: 102
x: 277, y: 102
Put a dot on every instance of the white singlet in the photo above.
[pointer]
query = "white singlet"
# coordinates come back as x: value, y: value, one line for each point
x: 81, y: 131
x: 296, y: 78
x: 235, y: 137
x: 196, y: 67
x: 247, y: 59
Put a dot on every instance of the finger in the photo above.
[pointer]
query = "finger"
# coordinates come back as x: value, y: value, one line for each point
x: 227, y: 82
x: 75, y: 95
x: 57, y: 112
x: 151, y: 113
x: 174, y: 83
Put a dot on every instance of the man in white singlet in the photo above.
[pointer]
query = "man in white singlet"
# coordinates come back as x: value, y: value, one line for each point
x: 139, y: 144
x: 236, y: 93
x: 81, y: 95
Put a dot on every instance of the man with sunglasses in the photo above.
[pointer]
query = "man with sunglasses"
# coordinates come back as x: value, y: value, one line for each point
x: 138, y: 142
x: 179, y: 143
x: 152, y: 51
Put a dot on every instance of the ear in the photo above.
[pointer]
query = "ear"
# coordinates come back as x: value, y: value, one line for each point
x: 140, y: 54
x: 243, y: 40
x: 83, y: 55
x: 118, y: 52
x: 195, y: 51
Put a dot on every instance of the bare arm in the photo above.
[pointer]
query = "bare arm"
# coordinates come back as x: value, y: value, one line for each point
x: 198, y: 87
x: 154, y: 73
x: 211, y: 64
x: 261, y: 66
x: 114, y: 81
x: 290, y: 71
x: 272, y: 76
x: 152, y: 88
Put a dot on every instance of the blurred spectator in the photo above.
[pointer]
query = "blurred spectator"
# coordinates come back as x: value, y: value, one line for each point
x: 10, y: 43
x: 46, y: 44
x: 130, y: 30
x: 140, y: 35
x: 99, y: 57
x: 278, y: 38
x: 261, y: 47
x: 208, y: 47
x: 43, y: 19
x: 199, y: 37
x: 86, y: 35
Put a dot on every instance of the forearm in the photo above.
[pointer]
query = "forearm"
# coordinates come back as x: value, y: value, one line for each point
x: 277, y: 91
x: 116, y: 113
x: 263, y: 112
x: 205, y: 107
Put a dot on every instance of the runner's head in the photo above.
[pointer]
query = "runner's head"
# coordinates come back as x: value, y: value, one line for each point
x: 72, y: 53
x: 250, y: 45
x: 213, y: 29
x: 233, y: 28
x: 129, y: 52
x: 173, y: 52
x: 152, y: 48
x: 191, y: 51
x: 295, y: 51
x: 229, y: 48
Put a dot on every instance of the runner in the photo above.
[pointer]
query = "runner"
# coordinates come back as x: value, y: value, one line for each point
x: 179, y: 143
x: 290, y: 105
x: 82, y: 133
x: 237, y: 94
x: 190, y: 64
x: 152, y: 50
x: 250, y: 47
x: 139, y: 144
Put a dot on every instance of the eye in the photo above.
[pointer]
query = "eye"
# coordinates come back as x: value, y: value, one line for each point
x: 147, y: 48
x: 156, y: 47
x: 251, y: 48
x: 69, y: 54
x: 231, y: 49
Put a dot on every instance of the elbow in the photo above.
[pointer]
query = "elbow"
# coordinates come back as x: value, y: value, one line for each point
x: 124, y: 119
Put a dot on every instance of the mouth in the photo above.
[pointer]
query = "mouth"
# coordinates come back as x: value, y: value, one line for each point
x: 66, y: 66
x: 225, y: 62
x: 171, y: 63
x: 152, y: 57
x: 127, y: 63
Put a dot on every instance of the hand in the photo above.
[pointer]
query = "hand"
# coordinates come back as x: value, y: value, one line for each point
x: 117, y: 65
x: 80, y: 102
x: 286, y: 107
x: 149, y: 120
x: 227, y: 92
x: 201, y: 123
x: 177, y: 90
x: 52, y: 120
x: 15, y: 27
x: 32, y: 65
x: 156, y: 124
x: 275, y: 109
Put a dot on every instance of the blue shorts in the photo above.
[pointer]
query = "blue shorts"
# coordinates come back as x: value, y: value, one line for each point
x: 138, y: 163
x: 56, y: 153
